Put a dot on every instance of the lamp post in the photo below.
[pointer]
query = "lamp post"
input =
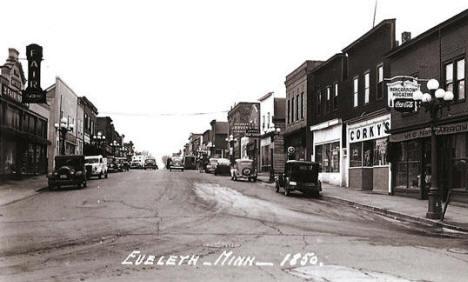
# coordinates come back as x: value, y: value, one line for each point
x: 276, y: 132
x: 114, y: 145
x: 98, y: 139
x: 63, y: 128
x: 434, y: 102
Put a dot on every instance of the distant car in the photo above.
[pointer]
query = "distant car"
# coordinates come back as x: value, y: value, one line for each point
x: 244, y: 169
x: 176, y: 163
x: 68, y: 170
x: 135, y: 164
x: 96, y: 166
x: 211, y: 166
x: 223, y: 167
x: 150, y: 164
x: 190, y: 162
x: 301, y: 176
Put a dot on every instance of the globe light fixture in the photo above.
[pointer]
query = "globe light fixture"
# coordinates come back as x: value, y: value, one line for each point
x: 426, y: 98
x: 432, y: 84
x: 439, y: 93
x: 418, y: 95
x: 448, y: 96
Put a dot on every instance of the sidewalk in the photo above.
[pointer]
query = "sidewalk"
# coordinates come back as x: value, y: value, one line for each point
x: 397, y: 207
x: 14, y: 190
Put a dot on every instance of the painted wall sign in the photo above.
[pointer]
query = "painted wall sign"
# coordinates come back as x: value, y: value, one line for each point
x: 34, y: 92
x: 368, y: 132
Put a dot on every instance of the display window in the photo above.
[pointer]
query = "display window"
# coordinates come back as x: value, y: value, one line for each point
x: 328, y: 156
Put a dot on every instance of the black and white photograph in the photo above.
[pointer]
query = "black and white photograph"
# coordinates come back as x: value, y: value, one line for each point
x: 213, y: 140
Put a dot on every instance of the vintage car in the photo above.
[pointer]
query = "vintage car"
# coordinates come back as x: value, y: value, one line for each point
x: 150, y: 164
x: 211, y: 166
x: 176, y: 163
x: 96, y: 166
x: 122, y: 164
x: 135, y: 164
x: 223, y: 167
x: 244, y: 169
x: 68, y: 170
x: 301, y: 176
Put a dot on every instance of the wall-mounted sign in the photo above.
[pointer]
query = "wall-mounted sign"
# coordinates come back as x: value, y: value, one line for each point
x: 401, y: 90
x: 34, y: 92
x: 404, y: 105
x: 426, y: 132
x: 370, y: 131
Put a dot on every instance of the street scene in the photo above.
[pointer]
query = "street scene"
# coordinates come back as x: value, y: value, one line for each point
x: 249, y: 141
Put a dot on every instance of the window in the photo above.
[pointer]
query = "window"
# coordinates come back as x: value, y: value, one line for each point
x: 297, y: 107
x: 355, y: 158
x: 328, y: 107
x: 292, y: 109
x: 380, y: 151
x: 302, y: 105
x: 263, y: 122
x: 319, y: 103
x: 455, y: 78
x: 335, y: 97
x: 366, y: 88
x: 380, y: 80
x: 288, y: 112
x: 268, y: 119
x: 355, y: 91
x: 328, y: 156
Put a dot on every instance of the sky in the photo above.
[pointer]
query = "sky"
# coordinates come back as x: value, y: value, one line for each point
x: 154, y: 66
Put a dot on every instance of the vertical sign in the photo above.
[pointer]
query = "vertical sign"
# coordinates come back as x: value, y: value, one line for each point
x: 34, y: 92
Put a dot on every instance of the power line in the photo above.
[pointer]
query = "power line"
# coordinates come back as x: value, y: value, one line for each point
x: 161, y: 114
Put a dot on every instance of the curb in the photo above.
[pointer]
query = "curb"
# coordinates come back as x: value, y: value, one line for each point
x: 396, y: 215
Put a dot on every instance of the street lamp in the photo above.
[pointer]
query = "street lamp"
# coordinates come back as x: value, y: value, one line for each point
x: 275, y: 132
x: 434, y: 102
x: 63, y: 128
x: 98, y: 139
x: 114, y: 145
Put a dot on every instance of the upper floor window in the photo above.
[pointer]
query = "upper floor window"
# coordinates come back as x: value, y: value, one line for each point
x: 328, y: 99
x: 268, y: 120
x: 302, y: 105
x: 455, y: 78
x: 335, y: 97
x: 355, y: 91
x: 263, y: 122
x: 288, y: 112
x: 292, y: 109
x: 380, y: 80
x: 297, y: 107
x: 319, y: 103
x: 366, y: 88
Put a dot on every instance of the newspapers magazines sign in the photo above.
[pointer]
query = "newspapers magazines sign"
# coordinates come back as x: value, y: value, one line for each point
x: 401, y: 95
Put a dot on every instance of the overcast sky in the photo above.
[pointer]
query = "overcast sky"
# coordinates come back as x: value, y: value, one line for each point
x: 139, y: 61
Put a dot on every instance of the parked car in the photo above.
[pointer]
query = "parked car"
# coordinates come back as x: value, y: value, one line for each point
x: 301, y: 176
x: 122, y: 164
x: 190, y: 162
x: 135, y: 164
x: 68, y: 170
x: 211, y: 166
x: 223, y: 167
x: 150, y: 164
x: 244, y: 169
x: 176, y: 163
x: 96, y: 166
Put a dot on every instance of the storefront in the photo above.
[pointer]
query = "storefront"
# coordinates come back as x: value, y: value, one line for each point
x: 327, y: 145
x: 368, y: 167
x: 297, y: 140
x: 266, y: 153
x: 411, y: 159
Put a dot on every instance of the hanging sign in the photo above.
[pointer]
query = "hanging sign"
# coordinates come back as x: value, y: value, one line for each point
x: 401, y: 95
x: 34, y: 92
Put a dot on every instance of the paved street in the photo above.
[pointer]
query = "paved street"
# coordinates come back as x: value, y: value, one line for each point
x: 85, y: 235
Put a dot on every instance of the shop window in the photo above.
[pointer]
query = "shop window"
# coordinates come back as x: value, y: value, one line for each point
x: 367, y: 153
x: 380, y: 152
x: 355, y: 156
x: 328, y: 156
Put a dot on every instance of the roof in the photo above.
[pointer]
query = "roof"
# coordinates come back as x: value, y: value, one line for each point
x: 279, y: 108
x: 331, y: 59
x: 307, y: 65
x: 269, y: 94
x: 429, y: 32
x: 88, y: 103
x: 367, y: 34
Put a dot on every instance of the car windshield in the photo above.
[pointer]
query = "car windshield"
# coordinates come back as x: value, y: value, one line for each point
x: 150, y: 161
x: 92, y: 161
x: 73, y: 162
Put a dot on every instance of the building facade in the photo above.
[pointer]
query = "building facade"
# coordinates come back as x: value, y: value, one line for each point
x: 438, y: 53
x: 298, y: 88
x: 366, y: 115
x: 90, y: 113
x: 218, y: 134
x: 23, y: 128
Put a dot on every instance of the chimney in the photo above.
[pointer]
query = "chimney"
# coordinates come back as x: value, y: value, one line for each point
x: 13, y: 54
x: 405, y: 37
